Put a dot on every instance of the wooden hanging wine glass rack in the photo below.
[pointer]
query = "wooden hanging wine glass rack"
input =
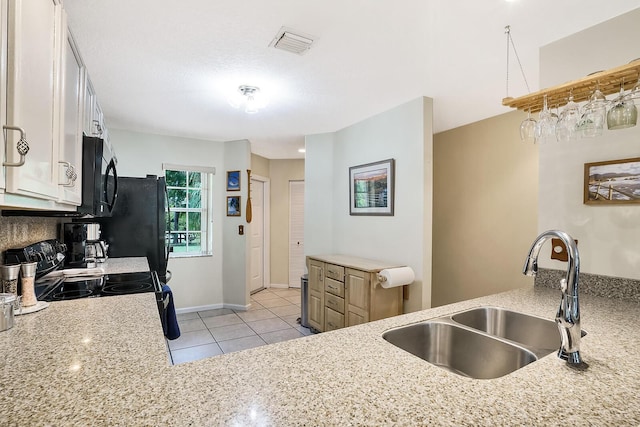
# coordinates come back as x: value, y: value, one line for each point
x: 608, y: 81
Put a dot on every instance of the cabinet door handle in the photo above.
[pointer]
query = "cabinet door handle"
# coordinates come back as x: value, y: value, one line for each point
x: 22, y: 146
x: 70, y: 174
x: 98, y: 131
x: 320, y: 275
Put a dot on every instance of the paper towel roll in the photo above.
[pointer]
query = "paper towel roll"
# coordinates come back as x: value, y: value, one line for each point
x: 392, y: 277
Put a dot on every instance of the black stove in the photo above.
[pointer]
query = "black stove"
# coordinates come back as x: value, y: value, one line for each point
x: 49, y: 286
x: 67, y: 288
x: 50, y: 256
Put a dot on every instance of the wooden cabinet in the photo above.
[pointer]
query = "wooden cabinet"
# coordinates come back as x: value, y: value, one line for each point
x: 315, y: 303
x: 345, y: 291
x: 358, y: 292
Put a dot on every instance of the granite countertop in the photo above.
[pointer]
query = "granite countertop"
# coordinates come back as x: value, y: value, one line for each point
x: 354, y: 262
x: 125, y: 265
x: 103, y: 361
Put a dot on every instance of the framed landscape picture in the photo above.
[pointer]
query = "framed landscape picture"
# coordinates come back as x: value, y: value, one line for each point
x: 233, y: 205
x: 612, y: 182
x: 371, y: 188
x: 233, y: 181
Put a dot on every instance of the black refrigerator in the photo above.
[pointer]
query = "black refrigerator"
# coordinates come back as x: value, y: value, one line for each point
x: 138, y: 225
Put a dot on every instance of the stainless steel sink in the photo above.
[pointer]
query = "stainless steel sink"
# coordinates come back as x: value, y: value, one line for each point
x: 460, y: 350
x: 537, y: 334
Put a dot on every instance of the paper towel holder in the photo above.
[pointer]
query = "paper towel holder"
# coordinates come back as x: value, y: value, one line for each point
x: 385, y: 279
x: 405, y: 288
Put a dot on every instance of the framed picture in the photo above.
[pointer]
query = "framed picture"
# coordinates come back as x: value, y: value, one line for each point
x: 233, y: 205
x: 233, y: 180
x: 371, y: 188
x: 613, y: 182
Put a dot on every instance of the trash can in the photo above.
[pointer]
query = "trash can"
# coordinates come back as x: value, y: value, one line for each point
x: 304, y: 293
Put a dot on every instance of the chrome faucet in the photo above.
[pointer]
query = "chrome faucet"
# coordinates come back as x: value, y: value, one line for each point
x: 568, y: 316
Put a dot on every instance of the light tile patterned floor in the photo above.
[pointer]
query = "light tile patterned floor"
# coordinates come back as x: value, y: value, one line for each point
x: 272, y: 318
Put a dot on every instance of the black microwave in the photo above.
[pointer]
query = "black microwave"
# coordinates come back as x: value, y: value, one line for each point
x: 99, y: 178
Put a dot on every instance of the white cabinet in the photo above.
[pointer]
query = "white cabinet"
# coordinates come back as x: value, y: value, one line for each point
x: 47, y: 98
x: 3, y: 84
x: 70, y: 159
x: 89, y: 126
x: 93, y: 116
x: 33, y: 67
x: 98, y: 120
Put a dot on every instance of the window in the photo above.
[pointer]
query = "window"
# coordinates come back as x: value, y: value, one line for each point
x: 189, y: 216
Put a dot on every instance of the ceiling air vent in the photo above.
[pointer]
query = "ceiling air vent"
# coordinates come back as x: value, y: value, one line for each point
x: 292, y: 41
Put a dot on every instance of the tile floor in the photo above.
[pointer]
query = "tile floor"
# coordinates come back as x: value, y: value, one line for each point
x: 272, y: 318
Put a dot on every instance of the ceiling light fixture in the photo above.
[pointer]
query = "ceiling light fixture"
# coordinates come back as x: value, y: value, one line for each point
x: 248, y: 96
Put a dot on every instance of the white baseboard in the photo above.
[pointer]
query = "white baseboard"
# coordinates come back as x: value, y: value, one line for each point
x: 199, y: 308
x: 279, y: 285
x: 212, y: 307
x: 237, y: 307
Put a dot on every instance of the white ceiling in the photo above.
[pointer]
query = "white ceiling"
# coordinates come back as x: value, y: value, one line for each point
x: 168, y: 67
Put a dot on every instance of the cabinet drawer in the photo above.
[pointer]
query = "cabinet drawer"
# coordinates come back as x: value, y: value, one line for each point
x: 334, y: 287
x: 335, y: 303
x: 333, y: 320
x: 335, y: 272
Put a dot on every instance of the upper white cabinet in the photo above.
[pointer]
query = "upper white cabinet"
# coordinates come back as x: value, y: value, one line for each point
x: 89, y: 126
x: 73, y: 93
x: 93, y: 117
x: 3, y: 85
x: 47, y: 102
x: 33, y: 94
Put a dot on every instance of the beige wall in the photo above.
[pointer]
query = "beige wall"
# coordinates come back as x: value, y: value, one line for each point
x: 485, y: 208
x: 259, y: 165
x: 280, y: 173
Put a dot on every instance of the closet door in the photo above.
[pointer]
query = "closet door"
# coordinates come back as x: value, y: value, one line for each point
x: 296, y: 232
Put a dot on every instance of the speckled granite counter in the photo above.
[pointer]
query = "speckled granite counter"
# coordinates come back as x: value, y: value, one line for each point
x: 125, y: 265
x: 102, y: 361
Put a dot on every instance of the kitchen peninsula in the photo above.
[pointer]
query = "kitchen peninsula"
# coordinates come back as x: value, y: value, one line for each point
x: 105, y: 363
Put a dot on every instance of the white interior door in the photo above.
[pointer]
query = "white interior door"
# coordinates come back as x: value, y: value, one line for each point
x: 257, y: 235
x: 296, y: 232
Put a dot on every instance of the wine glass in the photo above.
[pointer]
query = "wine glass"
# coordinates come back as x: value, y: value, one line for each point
x: 635, y: 92
x: 624, y: 113
x: 546, y: 125
x: 566, y: 127
x: 594, y: 114
x: 528, y: 129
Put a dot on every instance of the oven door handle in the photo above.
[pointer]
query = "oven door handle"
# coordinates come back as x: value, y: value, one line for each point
x: 157, y: 284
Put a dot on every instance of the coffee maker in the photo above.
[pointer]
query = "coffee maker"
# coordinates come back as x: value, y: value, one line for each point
x: 84, y: 247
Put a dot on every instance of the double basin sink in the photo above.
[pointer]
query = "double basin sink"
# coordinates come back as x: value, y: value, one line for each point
x: 481, y: 343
